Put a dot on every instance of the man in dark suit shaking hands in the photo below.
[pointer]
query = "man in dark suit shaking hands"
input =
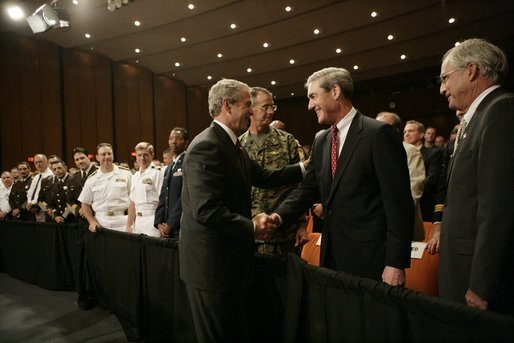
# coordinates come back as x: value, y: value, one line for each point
x: 476, y: 263
x: 216, y: 244
x: 359, y: 171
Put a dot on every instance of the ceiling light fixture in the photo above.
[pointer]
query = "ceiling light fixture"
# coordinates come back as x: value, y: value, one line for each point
x: 292, y: 94
x: 220, y: 55
x: 265, y: 44
x: 75, y: 2
x: 288, y: 9
x: 191, y: 6
x: 374, y: 14
x: 457, y: 43
x: 49, y: 16
x: 113, y: 5
x: 15, y: 12
x: 291, y: 61
x: 209, y: 77
x: 452, y: 20
x: 403, y: 56
x: 248, y: 70
x: 137, y: 51
x: 87, y: 35
x: 316, y: 31
x: 355, y: 67
x: 390, y: 37
x: 233, y: 26
x: 183, y: 39
x: 338, y: 51
x: 177, y: 64
x: 273, y: 83
x: 137, y: 23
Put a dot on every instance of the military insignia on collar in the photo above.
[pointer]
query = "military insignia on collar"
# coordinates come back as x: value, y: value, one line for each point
x: 146, y: 181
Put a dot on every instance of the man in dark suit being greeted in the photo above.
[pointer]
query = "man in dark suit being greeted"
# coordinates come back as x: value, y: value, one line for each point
x: 169, y: 210
x: 217, y: 232
x: 359, y: 171
x: 476, y: 263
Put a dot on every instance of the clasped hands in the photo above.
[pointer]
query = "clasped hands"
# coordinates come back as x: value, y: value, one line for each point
x: 264, y: 225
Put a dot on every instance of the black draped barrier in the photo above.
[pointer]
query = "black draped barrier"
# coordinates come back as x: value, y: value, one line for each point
x: 137, y: 278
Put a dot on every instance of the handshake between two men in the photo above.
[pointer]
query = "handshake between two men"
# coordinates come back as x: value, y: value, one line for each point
x: 265, y: 224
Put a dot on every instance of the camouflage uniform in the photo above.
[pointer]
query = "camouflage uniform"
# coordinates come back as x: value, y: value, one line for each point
x: 278, y: 149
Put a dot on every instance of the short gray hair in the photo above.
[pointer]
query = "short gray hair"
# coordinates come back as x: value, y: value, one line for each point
x: 490, y: 59
x: 329, y: 77
x: 254, y: 91
x: 225, y: 89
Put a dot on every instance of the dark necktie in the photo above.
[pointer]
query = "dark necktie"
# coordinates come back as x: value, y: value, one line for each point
x: 35, y: 189
x: 83, y: 177
x: 333, y: 150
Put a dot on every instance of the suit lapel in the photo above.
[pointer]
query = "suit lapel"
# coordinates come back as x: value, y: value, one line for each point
x: 352, y: 140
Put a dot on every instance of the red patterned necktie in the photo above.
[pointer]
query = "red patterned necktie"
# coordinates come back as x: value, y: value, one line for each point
x: 334, y: 150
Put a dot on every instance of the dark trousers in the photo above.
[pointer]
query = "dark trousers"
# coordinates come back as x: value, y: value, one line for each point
x: 221, y: 317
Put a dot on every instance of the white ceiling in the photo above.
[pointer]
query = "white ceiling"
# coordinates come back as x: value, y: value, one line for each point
x: 420, y: 27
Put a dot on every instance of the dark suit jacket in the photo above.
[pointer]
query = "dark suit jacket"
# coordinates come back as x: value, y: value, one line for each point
x: 477, y: 233
x: 433, y: 160
x: 369, y: 212
x: 216, y: 238
x: 169, y: 209
x: 76, y: 184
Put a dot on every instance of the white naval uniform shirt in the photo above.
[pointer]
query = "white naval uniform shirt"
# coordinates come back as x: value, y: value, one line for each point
x: 35, y: 186
x: 108, y: 192
x: 4, y: 198
x: 144, y: 193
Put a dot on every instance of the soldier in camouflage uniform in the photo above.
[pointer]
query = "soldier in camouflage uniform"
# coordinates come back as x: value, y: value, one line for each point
x: 272, y: 149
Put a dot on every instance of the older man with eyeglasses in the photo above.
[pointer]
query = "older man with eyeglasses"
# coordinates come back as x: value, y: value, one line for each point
x: 477, y: 233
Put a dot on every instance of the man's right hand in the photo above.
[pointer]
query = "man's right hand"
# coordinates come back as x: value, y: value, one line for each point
x: 263, y: 225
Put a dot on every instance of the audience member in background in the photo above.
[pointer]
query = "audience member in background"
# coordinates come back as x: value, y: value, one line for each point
x: 359, y: 171
x: 433, y: 159
x: 5, y: 190
x: 277, y: 124
x: 144, y: 193
x: 453, y: 133
x: 476, y: 256
x: 106, y: 192
x: 169, y: 210
x: 18, y: 195
x: 440, y: 142
x: 217, y: 235
x: 15, y: 174
x: 41, y: 164
x: 416, y: 172
x: 56, y: 198
x: 272, y: 149
x: 429, y: 136
x: 156, y: 163
x: 167, y: 157
x: 77, y: 181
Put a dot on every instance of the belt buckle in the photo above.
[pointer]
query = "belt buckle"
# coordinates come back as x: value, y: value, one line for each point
x: 109, y: 213
x: 139, y: 214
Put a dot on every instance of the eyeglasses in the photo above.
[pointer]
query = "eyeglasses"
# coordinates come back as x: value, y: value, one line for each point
x: 444, y: 77
x: 266, y: 108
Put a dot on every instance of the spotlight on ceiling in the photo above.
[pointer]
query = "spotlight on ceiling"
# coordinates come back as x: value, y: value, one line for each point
x: 47, y: 17
x: 113, y: 5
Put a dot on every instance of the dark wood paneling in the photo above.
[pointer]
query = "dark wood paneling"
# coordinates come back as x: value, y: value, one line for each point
x: 170, y: 110
x: 133, y: 109
x: 31, y: 98
x: 198, y: 117
x: 88, y: 118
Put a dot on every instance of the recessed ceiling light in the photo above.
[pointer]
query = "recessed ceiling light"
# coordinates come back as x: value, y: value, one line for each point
x: 292, y: 94
x: 288, y: 8
x: 91, y: 48
x: 87, y: 35
x: 220, y: 55
x: 316, y: 31
x: 390, y: 37
x: 248, y: 70
x: 233, y: 26
x: 137, y: 50
x: 457, y: 43
x: 273, y: 82
x: 338, y: 51
x: 75, y: 2
x: 137, y: 61
x: 15, y: 13
x: 403, y: 56
x: 452, y: 20
x: 183, y: 39
x: 291, y: 61
x: 191, y: 6
x: 265, y: 44
x: 374, y: 14
x: 209, y: 77
x: 177, y: 64
x: 355, y: 67
x: 137, y: 23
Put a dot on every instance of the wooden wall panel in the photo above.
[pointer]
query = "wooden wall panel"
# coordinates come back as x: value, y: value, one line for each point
x: 198, y: 117
x: 88, y: 118
x: 133, y: 109
x: 31, y: 97
x: 170, y: 110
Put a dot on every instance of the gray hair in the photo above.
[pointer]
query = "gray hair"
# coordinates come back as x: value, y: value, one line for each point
x: 397, y: 121
x: 329, y: 77
x: 491, y: 61
x: 225, y: 89
x: 254, y: 91
x: 420, y: 126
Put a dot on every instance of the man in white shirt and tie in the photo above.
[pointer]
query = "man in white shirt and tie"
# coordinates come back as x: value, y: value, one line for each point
x: 41, y: 164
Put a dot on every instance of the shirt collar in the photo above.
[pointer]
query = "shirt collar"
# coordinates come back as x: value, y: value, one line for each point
x: 347, y: 119
x: 474, y: 105
x: 231, y: 133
